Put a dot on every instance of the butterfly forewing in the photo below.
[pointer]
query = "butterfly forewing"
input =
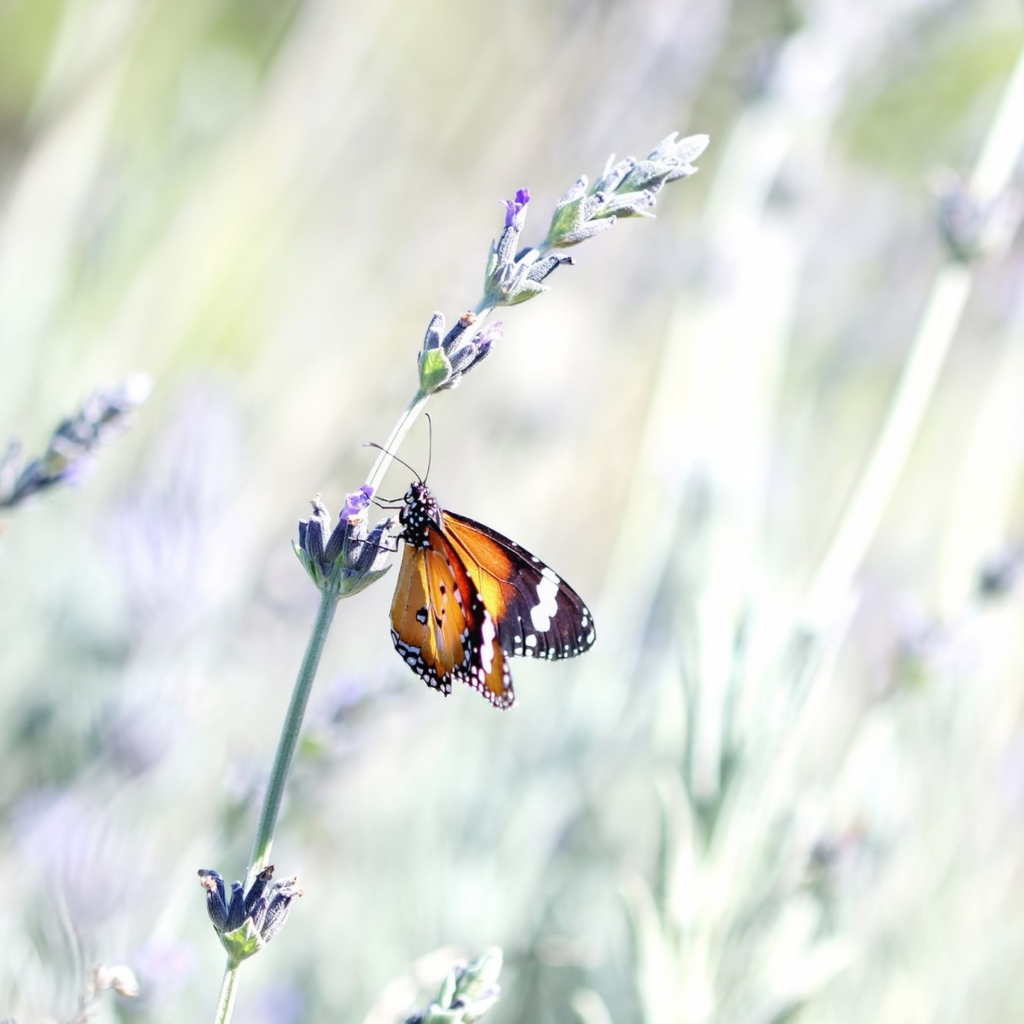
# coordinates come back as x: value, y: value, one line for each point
x: 539, y: 615
x: 429, y: 622
x: 441, y: 627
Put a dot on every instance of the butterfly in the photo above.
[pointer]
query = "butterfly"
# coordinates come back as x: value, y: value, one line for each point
x: 467, y: 599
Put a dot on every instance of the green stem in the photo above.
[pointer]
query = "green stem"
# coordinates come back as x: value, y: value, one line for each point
x: 279, y: 776
x: 226, y: 1003
x: 394, y: 441
x: 290, y: 737
x: 1000, y: 154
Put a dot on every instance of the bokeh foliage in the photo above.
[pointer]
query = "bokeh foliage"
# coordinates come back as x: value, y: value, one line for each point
x: 259, y: 204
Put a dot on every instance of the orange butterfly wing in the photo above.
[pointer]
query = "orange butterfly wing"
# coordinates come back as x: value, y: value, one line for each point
x: 441, y: 626
x: 538, y: 614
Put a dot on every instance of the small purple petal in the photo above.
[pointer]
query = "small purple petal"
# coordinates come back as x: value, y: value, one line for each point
x: 357, y: 502
x: 514, y: 215
x: 490, y: 334
x: 77, y: 471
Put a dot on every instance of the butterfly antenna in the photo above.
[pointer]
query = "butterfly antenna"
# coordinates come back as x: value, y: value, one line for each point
x: 373, y: 444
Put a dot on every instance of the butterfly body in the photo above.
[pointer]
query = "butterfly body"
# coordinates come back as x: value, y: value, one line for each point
x: 468, y: 598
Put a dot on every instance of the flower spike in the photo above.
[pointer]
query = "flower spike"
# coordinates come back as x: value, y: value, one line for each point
x: 247, y: 922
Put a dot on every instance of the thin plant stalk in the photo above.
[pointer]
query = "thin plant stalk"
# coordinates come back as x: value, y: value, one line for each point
x: 395, y: 439
x: 228, y: 987
x: 864, y: 511
x: 264, y: 838
x: 999, y: 155
x: 286, y: 745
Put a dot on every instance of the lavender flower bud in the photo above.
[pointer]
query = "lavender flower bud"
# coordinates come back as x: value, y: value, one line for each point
x: 67, y: 454
x: 613, y: 174
x: 216, y: 903
x: 509, y: 279
x: 1000, y: 573
x: 432, y: 339
x: 254, y: 917
x: 442, y: 364
x: 631, y: 204
x: 543, y: 267
x: 467, y: 992
x: 624, y: 189
x: 972, y: 227
x: 346, y: 559
x: 515, y: 219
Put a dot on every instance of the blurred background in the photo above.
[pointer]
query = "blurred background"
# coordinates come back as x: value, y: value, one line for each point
x: 788, y: 782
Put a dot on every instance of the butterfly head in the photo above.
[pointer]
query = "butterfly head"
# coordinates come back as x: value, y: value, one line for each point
x: 420, y: 511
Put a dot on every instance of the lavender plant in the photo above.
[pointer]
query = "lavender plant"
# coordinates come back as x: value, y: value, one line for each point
x: 739, y: 923
x: 468, y: 991
x: 347, y: 557
x: 70, y: 448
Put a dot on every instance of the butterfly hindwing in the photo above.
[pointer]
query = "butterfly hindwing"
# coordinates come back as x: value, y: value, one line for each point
x: 538, y: 614
x: 486, y: 669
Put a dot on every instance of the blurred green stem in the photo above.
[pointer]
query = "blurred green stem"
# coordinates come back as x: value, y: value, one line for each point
x: 226, y: 1003
x: 999, y: 155
x: 916, y: 386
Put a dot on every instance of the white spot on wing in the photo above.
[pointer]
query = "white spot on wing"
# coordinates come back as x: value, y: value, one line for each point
x: 544, y: 610
x: 487, y: 634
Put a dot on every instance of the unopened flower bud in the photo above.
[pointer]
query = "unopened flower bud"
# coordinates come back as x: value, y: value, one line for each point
x: 444, y: 362
x: 252, y: 918
x: 626, y: 188
x: 467, y: 992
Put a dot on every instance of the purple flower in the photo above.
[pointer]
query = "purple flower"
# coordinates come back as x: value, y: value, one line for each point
x: 514, y: 209
x: 486, y: 338
x: 465, y: 355
x: 67, y: 841
x: 164, y: 968
x: 103, y: 414
x: 347, y: 558
x: 175, y: 533
x: 277, y: 1004
x: 357, y: 502
x: 138, y: 734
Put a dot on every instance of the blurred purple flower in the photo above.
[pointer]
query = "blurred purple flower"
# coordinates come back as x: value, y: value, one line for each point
x: 66, y: 459
x: 65, y: 839
x: 175, y: 535
x: 276, y: 1004
x: 163, y: 968
x: 139, y: 734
